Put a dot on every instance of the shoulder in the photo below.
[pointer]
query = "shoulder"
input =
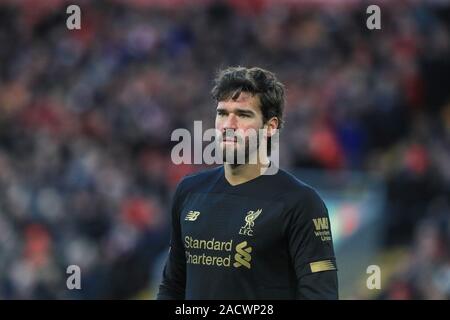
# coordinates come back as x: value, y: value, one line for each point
x: 296, y: 193
x: 290, y: 185
x: 199, y: 181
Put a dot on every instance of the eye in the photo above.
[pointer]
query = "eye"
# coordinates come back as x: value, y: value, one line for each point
x: 244, y: 115
x: 220, y: 113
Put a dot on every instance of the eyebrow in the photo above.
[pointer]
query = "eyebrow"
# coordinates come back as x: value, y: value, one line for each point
x: 237, y: 110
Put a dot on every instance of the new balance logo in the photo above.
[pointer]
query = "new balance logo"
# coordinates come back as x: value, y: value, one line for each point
x: 192, y: 215
x: 321, y: 224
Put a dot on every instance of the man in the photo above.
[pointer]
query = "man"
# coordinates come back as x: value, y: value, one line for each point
x: 237, y: 232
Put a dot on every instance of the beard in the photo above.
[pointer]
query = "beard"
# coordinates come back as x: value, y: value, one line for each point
x: 242, y: 151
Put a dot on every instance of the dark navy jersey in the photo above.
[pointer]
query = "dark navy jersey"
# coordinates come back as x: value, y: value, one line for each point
x: 268, y: 238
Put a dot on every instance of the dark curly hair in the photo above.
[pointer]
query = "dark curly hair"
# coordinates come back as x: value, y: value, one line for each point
x: 230, y: 82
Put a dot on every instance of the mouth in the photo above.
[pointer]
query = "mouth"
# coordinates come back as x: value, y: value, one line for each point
x: 230, y: 140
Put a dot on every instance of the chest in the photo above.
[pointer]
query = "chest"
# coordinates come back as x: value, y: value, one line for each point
x: 228, y: 218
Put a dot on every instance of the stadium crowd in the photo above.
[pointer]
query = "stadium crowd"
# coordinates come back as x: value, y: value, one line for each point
x: 86, y: 117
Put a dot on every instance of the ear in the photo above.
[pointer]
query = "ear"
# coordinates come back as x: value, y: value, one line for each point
x: 272, y: 126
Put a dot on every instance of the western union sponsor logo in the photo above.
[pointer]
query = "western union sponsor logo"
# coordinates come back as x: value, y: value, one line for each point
x: 322, y: 229
x: 321, y: 224
x: 324, y: 265
x: 323, y: 235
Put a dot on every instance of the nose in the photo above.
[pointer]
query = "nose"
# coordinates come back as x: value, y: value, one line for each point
x: 230, y: 122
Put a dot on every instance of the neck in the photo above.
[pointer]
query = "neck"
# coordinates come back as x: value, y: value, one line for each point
x: 237, y: 174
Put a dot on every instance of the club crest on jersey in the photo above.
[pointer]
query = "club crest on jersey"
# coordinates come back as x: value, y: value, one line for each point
x: 250, y: 218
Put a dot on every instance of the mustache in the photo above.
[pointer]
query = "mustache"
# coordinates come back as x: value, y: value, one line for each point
x: 231, y: 135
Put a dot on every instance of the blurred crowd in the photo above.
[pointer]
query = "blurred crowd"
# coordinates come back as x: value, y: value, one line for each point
x: 86, y: 115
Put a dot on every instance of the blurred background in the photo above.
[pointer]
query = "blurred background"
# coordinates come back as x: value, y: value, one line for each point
x: 86, y: 116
